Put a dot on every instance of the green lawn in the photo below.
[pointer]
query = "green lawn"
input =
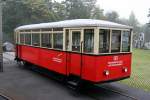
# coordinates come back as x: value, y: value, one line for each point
x: 140, y: 77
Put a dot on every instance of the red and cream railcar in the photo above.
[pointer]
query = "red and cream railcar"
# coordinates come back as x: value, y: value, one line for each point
x: 93, y: 50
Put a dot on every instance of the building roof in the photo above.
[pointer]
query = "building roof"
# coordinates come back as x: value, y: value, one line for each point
x: 74, y: 23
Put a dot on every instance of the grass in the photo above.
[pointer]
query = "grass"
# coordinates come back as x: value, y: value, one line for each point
x: 140, y: 77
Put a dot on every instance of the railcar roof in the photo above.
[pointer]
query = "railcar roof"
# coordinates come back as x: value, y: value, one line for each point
x: 74, y: 23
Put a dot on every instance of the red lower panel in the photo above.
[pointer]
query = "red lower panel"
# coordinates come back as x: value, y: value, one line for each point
x: 115, y: 64
x: 92, y: 66
x: 52, y: 60
x: 75, y: 64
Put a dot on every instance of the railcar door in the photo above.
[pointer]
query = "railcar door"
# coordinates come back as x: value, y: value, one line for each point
x: 75, y: 54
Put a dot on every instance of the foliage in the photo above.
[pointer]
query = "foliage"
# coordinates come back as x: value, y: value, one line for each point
x: 59, y: 11
x: 76, y: 9
x: 16, y: 13
x: 20, y: 12
x: 112, y: 16
x: 97, y: 13
x: 134, y: 22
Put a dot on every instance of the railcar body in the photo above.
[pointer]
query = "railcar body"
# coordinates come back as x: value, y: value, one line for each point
x: 93, y: 50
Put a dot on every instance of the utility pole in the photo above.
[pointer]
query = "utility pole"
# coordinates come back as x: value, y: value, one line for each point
x: 1, y: 39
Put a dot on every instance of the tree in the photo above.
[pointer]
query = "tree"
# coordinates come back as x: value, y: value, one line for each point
x: 76, y: 9
x: 58, y: 10
x: 112, y: 16
x: 97, y: 13
x: 16, y: 13
x: 132, y: 19
x: 123, y: 21
x: 134, y: 23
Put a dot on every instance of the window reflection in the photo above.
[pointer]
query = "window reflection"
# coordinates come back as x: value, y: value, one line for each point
x: 36, y: 39
x: 115, y: 41
x: 67, y: 39
x: 126, y: 41
x: 58, y: 40
x: 88, y: 40
x: 76, y: 35
x: 104, y: 40
x: 46, y: 40
x: 28, y: 39
x: 22, y: 38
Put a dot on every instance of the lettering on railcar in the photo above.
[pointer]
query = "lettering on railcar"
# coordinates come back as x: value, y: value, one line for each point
x: 115, y: 62
x: 58, y: 58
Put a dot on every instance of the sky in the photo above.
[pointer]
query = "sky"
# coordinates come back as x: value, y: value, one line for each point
x: 125, y: 7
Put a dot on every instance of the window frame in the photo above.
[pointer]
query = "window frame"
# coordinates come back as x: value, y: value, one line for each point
x: 66, y: 39
x: 57, y: 32
x: 25, y: 39
x: 81, y: 29
x: 81, y: 39
x: 131, y: 35
x: 119, y: 43
x: 46, y: 31
x: 109, y: 43
x: 50, y: 39
x: 130, y: 41
x: 39, y: 39
x: 92, y: 50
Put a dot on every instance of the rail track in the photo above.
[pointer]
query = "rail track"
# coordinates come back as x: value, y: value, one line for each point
x: 5, y: 97
x: 118, y: 92
x: 107, y: 90
x: 104, y: 93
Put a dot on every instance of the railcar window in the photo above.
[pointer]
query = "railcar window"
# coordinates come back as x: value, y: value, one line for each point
x: 115, y: 40
x: 46, y: 40
x: 88, y: 40
x: 76, y: 35
x: 67, y: 39
x: 104, y: 40
x: 126, y: 41
x: 36, y: 39
x: 58, y: 40
x: 28, y: 39
x: 16, y: 37
x: 22, y: 38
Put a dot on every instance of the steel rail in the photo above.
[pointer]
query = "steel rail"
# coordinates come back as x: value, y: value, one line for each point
x: 113, y: 91
x: 5, y: 96
x: 118, y: 92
